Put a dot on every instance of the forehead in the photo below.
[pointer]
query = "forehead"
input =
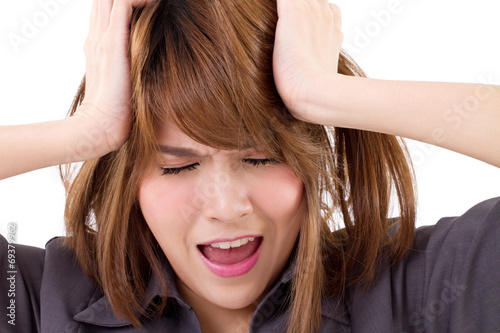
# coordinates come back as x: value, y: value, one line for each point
x: 170, y: 135
x: 172, y: 141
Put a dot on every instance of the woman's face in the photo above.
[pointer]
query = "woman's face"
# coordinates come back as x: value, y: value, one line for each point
x: 226, y: 220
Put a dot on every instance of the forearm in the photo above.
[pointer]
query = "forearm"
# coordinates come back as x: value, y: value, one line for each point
x: 24, y: 148
x: 461, y: 117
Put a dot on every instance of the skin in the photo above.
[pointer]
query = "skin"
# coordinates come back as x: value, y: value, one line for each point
x: 307, y: 45
x: 306, y: 52
x: 224, y: 197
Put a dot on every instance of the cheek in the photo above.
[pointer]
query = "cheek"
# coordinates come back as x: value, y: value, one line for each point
x: 279, y: 195
x: 165, y: 208
x: 172, y: 207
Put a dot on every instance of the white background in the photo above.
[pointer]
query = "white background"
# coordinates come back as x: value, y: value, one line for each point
x: 427, y: 40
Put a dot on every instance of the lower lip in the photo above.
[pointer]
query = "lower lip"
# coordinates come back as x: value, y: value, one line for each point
x: 233, y: 270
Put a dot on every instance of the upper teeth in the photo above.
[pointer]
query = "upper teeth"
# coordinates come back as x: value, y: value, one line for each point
x: 236, y: 243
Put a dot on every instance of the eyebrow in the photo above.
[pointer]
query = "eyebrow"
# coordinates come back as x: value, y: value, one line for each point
x: 184, y: 151
x: 179, y: 151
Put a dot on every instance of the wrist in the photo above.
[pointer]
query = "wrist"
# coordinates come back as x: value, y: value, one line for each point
x: 87, y: 141
x: 324, y: 101
x: 346, y: 101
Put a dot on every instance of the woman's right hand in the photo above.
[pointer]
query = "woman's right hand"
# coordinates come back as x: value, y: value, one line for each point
x: 107, y: 107
x: 102, y: 122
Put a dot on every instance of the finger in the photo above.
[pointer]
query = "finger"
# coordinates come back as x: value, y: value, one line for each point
x: 99, y: 21
x: 93, y: 23
x: 103, y: 15
x: 93, y: 15
x: 337, y: 17
x: 121, y: 13
x: 141, y: 3
x: 337, y: 24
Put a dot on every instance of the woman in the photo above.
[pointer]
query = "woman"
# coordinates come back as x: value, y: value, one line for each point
x: 209, y: 184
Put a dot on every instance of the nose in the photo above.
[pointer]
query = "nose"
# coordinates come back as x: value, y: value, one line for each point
x: 226, y: 198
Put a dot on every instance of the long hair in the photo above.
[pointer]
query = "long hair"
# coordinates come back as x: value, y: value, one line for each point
x: 206, y: 66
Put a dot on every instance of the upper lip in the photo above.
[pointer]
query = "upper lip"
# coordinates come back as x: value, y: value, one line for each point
x: 219, y: 240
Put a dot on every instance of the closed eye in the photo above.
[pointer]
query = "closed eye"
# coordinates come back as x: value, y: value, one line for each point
x: 190, y: 167
x: 175, y: 171
x: 257, y: 162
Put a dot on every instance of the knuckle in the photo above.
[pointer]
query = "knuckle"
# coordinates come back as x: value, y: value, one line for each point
x: 340, y: 37
x: 107, y: 46
x: 87, y: 46
x: 335, y: 8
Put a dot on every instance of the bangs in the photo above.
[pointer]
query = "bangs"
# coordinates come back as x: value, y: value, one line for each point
x: 207, y: 70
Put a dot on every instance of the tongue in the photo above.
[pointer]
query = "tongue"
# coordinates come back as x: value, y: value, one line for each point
x: 232, y: 255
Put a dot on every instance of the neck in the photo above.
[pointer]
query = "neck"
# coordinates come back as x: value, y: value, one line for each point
x: 216, y: 319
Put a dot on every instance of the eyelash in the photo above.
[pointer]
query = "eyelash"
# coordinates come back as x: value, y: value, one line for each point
x: 252, y: 161
x: 175, y: 171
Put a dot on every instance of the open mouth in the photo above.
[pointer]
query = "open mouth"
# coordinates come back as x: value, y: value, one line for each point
x: 230, y: 259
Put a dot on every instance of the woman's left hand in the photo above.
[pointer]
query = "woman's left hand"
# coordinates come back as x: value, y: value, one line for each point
x: 307, y: 46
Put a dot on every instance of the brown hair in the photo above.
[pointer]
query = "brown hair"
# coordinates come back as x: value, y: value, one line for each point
x: 206, y: 67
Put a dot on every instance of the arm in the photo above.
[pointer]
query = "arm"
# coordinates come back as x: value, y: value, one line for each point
x: 457, y: 116
x: 102, y: 122
x: 30, y: 147
x: 461, y: 117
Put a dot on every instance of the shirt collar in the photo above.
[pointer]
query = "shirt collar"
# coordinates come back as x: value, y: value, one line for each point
x: 100, y: 313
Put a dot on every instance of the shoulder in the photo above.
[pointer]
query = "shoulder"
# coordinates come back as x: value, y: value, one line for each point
x: 448, y: 282
x: 20, y: 283
x: 453, y: 273
x: 61, y: 270
x: 455, y: 244
x: 65, y: 290
x: 473, y: 228
x: 45, y: 281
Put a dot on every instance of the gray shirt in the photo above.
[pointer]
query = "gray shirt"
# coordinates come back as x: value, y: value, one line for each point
x: 448, y: 282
